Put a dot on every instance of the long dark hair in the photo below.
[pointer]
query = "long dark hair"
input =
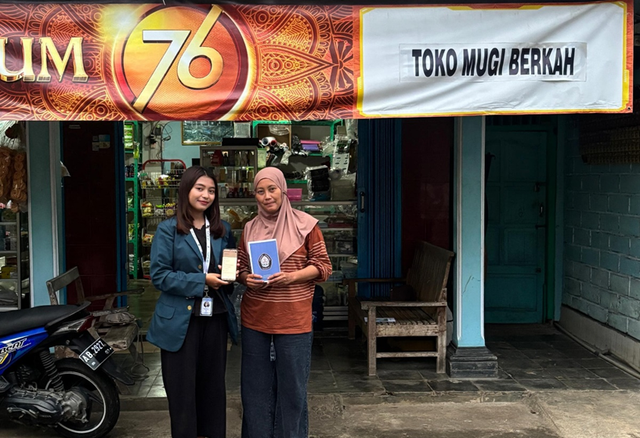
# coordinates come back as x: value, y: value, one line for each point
x: 183, y: 216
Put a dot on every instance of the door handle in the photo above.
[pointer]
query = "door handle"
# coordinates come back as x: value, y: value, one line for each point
x: 541, y: 210
x: 361, y: 202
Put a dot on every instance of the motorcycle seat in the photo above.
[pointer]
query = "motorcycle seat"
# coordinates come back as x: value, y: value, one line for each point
x: 17, y: 321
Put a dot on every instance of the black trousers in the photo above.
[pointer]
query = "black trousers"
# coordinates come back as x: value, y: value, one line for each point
x: 194, y: 379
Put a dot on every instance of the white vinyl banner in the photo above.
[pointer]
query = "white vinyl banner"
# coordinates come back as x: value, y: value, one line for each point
x: 461, y: 60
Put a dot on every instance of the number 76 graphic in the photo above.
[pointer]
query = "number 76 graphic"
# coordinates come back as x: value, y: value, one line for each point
x: 177, y: 39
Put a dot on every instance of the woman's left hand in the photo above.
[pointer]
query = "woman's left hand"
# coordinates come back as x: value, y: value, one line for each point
x: 281, y: 279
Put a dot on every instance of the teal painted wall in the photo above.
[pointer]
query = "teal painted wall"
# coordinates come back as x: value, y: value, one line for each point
x: 602, y: 239
x: 43, y: 150
x: 173, y: 148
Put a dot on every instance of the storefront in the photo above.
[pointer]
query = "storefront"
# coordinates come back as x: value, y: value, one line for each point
x: 310, y: 63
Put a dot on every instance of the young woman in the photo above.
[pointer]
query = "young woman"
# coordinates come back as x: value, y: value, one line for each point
x: 276, y: 316
x: 190, y: 322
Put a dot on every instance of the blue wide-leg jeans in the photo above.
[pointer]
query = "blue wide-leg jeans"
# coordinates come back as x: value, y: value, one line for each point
x: 275, y: 373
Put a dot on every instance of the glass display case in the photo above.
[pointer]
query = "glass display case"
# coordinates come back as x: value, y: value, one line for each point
x: 159, y: 182
x: 14, y: 260
x: 234, y: 168
x: 334, y: 207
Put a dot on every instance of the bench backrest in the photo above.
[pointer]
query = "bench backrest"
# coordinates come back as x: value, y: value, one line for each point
x: 64, y: 280
x: 429, y: 272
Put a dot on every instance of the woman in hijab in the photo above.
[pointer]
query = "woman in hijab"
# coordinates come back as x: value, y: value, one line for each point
x: 276, y: 315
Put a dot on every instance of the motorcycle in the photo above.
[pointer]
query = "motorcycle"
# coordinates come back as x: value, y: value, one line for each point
x: 78, y: 397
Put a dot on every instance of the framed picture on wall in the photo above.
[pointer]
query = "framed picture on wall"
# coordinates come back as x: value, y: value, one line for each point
x: 205, y: 132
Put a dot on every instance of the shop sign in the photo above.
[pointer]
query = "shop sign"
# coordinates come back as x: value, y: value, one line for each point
x: 268, y: 62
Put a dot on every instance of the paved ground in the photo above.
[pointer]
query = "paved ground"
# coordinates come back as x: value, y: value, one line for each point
x: 530, y: 358
x: 548, y: 387
x: 552, y: 414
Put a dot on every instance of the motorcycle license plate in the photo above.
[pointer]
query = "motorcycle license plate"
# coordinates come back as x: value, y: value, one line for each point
x: 95, y: 354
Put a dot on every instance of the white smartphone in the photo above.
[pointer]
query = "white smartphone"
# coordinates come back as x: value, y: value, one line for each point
x: 229, y: 264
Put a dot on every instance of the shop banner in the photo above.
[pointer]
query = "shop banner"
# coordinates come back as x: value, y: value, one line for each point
x: 496, y: 59
x: 302, y: 62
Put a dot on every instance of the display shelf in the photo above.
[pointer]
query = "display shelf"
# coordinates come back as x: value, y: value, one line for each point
x: 132, y: 141
x: 335, y: 313
x: 233, y: 167
x: 304, y: 129
x: 312, y: 203
x: 15, y: 262
x: 157, y: 202
x: 332, y: 229
x: 252, y: 201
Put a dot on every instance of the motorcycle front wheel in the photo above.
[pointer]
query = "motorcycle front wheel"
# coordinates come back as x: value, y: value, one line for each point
x: 103, y: 408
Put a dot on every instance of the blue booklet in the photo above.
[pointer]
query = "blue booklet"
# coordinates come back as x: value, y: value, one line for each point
x: 263, y: 256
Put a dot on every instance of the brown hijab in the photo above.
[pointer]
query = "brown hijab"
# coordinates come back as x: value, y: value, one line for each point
x: 288, y: 226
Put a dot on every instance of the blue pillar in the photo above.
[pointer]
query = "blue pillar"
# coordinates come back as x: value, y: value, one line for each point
x: 45, y: 231
x: 467, y: 356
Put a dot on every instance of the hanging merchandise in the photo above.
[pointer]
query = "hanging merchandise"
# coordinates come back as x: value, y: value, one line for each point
x: 6, y: 174
x: 19, y: 187
x: 318, y: 183
x: 13, y: 166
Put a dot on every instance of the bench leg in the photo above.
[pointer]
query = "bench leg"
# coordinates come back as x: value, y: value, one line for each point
x: 442, y: 351
x: 371, y: 340
x: 442, y: 340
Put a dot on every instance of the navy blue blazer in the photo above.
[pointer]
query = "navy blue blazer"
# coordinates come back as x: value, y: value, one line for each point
x: 176, y: 271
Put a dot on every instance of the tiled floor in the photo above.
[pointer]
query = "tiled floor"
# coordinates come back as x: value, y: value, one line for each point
x: 530, y: 358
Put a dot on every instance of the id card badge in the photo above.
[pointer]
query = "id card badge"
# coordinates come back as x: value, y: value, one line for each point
x: 206, y: 308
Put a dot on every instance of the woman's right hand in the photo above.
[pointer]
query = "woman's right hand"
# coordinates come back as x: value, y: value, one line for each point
x: 254, y: 281
x: 213, y: 280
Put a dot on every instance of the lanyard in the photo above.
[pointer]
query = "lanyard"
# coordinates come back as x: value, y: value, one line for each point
x: 206, y: 259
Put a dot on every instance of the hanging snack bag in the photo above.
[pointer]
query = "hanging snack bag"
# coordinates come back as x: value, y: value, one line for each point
x: 6, y: 173
x: 19, y: 186
x: 147, y: 209
x: 169, y: 209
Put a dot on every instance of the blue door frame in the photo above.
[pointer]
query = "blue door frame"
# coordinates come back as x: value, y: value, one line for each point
x: 379, y: 202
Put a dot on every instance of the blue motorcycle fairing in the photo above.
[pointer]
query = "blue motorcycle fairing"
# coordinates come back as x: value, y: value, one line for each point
x: 14, y: 346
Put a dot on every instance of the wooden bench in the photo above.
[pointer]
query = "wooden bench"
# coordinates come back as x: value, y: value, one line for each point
x: 426, y: 316
x: 120, y: 336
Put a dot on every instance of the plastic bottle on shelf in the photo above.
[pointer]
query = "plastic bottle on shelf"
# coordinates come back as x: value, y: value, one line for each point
x: 224, y: 191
